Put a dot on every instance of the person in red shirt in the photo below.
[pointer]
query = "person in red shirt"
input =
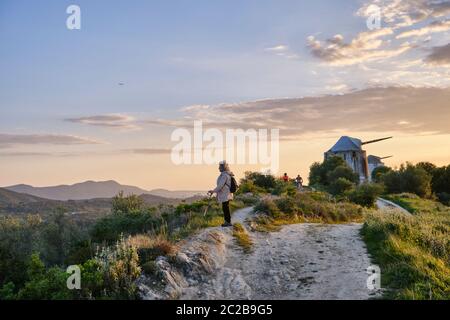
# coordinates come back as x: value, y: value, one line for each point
x: 285, y: 178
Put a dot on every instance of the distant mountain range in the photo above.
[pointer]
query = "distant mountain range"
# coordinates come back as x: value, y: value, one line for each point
x: 12, y: 202
x: 95, y: 189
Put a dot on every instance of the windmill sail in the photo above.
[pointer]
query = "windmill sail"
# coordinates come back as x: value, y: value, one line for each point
x: 376, y: 140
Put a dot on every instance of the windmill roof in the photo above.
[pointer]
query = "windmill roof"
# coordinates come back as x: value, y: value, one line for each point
x: 346, y: 143
x: 373, y: 159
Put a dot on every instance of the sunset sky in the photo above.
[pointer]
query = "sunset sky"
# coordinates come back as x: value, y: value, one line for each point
x: 101, y: 103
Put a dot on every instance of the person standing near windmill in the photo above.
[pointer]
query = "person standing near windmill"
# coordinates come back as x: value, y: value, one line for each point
x: 226, y: 186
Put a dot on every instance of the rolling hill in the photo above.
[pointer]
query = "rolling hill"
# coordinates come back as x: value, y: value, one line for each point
x: 14, y: 203
x: 93, y: 190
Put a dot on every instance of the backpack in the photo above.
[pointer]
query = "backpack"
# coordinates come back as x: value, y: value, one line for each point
x: 234, y: 186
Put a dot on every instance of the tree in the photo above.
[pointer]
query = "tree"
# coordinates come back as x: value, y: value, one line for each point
x: 340, y: 186
x: 408, y: 178
x: 318, y: 173
x: 342, y: 171
x: 379, y: 172
x: 441, y: 180
x: 429, y: 167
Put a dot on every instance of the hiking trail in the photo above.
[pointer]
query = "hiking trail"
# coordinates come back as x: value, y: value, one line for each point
x: 301, y: 261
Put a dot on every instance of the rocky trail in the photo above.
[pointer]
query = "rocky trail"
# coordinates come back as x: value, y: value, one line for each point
x: 301, y: 261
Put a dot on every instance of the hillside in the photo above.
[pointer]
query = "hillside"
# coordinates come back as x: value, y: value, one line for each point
x: 300, y: 261
x: 78, y: 191
x: 21, y: 203
x: 8, y: 197
x: 179, y: 194
x: 93, y: 190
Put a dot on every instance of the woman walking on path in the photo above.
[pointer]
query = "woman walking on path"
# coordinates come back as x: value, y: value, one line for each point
x: 224, y: 195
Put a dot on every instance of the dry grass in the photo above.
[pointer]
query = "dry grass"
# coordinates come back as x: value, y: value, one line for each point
x: 242, y: 237
x: 151, y: 246
x: 312, y: 207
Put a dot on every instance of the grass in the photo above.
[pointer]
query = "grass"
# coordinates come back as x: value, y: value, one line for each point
x: 313, y: 207
x: 413, y: 251
x: 242, y: 237
x: 415, y: 204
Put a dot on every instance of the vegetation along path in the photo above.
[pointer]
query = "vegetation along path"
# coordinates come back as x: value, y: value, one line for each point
x: 301, y: 261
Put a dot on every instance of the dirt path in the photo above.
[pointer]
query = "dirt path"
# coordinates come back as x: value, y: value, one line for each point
x: 384, y: 204
x: 302, y: 261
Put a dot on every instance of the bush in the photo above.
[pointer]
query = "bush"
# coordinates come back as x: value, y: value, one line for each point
x: 342, y: 171
x: 444, y: 198
x: 340, y: 186
x: 110, y: 228
x: 441, y: 180
x: 19, y: 238
x: 126, y: 204
x: 120, y: 268
x: 267, y: 206
x: 366, y: 194
x: 44, y: 284
x: 257, y: 182
x: 379, y: 172
x: 308, y: 206
x: 149, y: 268
x: 409, y: 178
x: 319, y: 172
x: 282, y: 187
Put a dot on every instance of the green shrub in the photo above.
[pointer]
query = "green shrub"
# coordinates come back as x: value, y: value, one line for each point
x: 340, y: 186
x: 308, y: 206
x: 126, y: 204
x: 284, y: 188
x: 366, y: 194
x: 379, y: 172
x: 268, y: 206
x: 342, y: 171
x: 109, y: 228
x: 149, y: 268
x: 444, y: 198
x: 409, y: 178
x: 319, y: 172
x: 260, y: 181
x: 44, y: 284
x: 120, y: 268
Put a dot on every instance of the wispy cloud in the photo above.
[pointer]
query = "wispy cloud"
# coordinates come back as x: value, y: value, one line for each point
x: 118, y: 121
x: 381, y: 109
x: 401, y: 13
x: 279, y: 48
x: 282, y: 51
x: 7, y: 140
x: 434, y: 27
x: 365, y: 47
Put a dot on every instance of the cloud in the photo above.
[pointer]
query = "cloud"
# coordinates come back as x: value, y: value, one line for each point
x: 365, y: 47
x: 279, y: 48
x: 380, y: 109
x: 283, y: 51
x: 439, y: 55
x: 7, y: 140
x: 119, y: 121
x: 435, y: 26
x: 404, y: 13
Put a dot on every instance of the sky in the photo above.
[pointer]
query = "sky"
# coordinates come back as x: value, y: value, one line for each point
x: 101, y: 103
